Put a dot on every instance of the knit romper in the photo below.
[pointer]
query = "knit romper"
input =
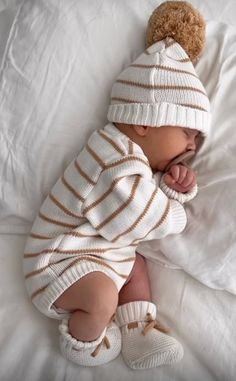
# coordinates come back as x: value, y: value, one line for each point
x: 105, y: 203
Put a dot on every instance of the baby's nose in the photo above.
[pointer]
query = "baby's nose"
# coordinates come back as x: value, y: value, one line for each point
x: 192, y: 144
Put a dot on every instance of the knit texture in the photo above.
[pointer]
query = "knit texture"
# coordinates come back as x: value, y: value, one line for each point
x: 161, y: 88
x: 106, y: 348
x: 104, y: 204
x: 143, y: 345
x: 181, y: 197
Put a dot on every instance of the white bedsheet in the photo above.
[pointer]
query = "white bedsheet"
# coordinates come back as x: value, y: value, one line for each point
x: 202, y: 318
x: 52, y: 95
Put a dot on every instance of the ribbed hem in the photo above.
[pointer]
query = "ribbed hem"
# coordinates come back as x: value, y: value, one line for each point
x: 45, y: 302
x: 174, y: 195
x: 134, y: 311
x: 160, y: 114
x: 178, y: 217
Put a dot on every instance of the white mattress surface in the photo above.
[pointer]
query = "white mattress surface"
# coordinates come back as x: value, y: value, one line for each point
x: 201, y: 318
x: 58, y: 61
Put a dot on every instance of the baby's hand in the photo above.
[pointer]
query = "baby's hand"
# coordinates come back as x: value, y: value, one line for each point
x: 180, y: 178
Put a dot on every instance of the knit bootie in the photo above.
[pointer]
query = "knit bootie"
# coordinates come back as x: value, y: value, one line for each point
x: 143, y: 344
x: 104, y: 349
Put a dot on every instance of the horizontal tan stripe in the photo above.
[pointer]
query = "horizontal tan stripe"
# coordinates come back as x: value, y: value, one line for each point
x: 69, y: 252
x: 122, y: 207
x: 124, y: 100
x: 32, y: 255
x: 163, y: 217
x: 71, y: 189
x: 159, y: 87
x: 100, y: 199
x: 80, y: 235
x: 126, y: 160
x: 158, y: 224
x: 95, y: 156
x: 38, y: 236
x: 83, y: 174
x: 36, y: 272
x: 112, y: 142
x: 165, y: 68
x: 184, y: 60
x: 94, y: 260
x: 38, y: 292
x: 145, y: 211
x: 107, y: 193
x: 91, y: 258
x: 62, y: 207
x: 72, y: 234
x: 79, y: 260
x: 56, y: 222
x: 71, y: 265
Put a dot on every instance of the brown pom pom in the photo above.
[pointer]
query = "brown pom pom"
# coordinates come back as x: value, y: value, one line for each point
x: 181, y: 21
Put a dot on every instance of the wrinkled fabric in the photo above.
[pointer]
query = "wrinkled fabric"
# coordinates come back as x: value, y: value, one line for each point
x: 59, y: 60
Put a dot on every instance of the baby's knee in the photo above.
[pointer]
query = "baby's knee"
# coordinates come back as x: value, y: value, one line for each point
x: 88, y: 324
x: 101, y: 296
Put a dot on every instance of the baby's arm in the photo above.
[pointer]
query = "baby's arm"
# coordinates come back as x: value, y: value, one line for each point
x: 127, y: 205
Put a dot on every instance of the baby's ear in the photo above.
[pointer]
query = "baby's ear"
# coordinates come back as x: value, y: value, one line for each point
x: 141, y: 130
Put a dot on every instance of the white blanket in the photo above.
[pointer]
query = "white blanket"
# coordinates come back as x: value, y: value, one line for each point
x: 56, y: 76
x: 58, y: 62
x: 201, y: 318
x: 207, y: 247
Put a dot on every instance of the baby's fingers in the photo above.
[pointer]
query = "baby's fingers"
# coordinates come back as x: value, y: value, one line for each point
x: 182, y: 174
x: 188, y: 180
x: 178, y: 172
x: 174, y: 172
x: 169, y: 179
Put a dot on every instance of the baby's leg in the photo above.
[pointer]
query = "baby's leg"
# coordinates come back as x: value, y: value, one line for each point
x: 144, y: 343
x: 137, y: 287
x: 92, y: 302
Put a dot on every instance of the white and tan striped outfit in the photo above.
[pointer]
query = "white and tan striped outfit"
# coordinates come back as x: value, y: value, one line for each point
x: 108, y: 199
x: 105, y: 203
x: 161, y: 88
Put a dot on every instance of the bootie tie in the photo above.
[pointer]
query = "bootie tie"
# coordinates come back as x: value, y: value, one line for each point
x: 104, y: 349
x: 143, y: 344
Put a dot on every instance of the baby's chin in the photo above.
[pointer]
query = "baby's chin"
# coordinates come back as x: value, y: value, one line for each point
x: 161, y: 166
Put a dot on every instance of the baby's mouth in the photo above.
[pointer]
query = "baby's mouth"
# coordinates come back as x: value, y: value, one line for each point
x: 183, y: 158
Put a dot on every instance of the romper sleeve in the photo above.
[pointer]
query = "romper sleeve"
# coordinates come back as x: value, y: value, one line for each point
x: 127, y: 206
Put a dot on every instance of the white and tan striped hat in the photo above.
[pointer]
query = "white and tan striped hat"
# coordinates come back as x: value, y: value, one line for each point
x: 161, y: 88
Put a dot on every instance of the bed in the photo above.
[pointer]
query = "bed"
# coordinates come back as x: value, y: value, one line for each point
x: 58, y: 60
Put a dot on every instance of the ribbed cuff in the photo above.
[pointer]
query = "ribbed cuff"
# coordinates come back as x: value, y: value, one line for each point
x: 134, y: 311
x: 178, y: 217
x: 174, y: 195
x: 160, y: 114
x: 64, y: 330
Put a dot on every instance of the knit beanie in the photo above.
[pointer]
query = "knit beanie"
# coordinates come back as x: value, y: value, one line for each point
x: 161, y: 88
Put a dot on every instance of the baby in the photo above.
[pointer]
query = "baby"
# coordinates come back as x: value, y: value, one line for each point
x: 127, y: 186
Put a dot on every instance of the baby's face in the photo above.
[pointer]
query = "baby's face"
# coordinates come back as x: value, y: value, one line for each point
x: 164, y: 144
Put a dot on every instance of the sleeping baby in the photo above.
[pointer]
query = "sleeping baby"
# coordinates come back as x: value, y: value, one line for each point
x: 84, y: 259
